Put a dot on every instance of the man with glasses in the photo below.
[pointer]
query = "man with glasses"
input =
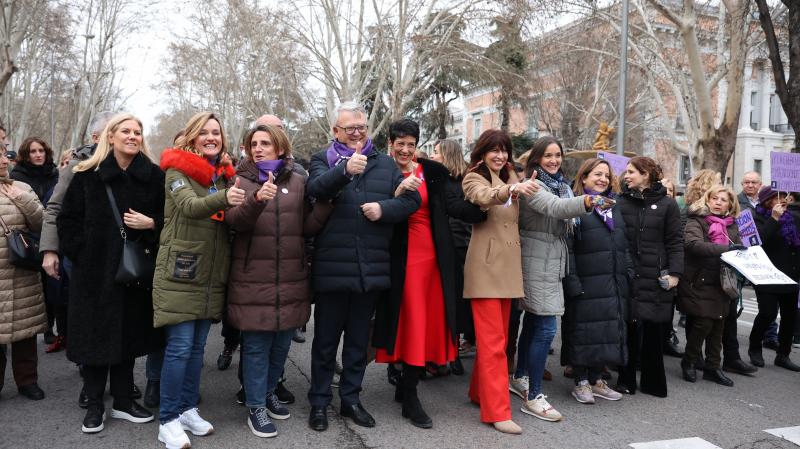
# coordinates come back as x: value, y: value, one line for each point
x: 351, y: 257
x: 751, y: 184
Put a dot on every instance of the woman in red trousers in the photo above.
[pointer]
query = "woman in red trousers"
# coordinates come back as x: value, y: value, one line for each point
x: 493, y: 271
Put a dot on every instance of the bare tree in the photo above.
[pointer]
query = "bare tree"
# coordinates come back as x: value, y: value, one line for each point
x: 788, y: 91
x: 18, y: 22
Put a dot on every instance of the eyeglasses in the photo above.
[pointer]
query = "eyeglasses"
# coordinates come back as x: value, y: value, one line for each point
x: 350, y: 130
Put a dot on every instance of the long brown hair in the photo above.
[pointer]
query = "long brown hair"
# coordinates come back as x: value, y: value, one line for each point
x: 491, y: 139
x: 452, y: 158
x: 583, y: 172
x: 537, y: 152
x: 647, y: 165
x: 24, y: 154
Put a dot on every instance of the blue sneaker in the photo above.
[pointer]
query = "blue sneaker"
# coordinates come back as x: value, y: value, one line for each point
x: 275, y: 409
x: 260, y: 424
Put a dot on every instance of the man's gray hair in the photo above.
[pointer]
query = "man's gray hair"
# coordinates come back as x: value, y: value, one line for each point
x: 99, y: 121
x: 752, y: 172
x: 350, y: 106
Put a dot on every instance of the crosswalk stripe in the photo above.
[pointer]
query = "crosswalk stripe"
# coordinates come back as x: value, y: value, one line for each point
x: 681, y: 443
x: 791, y: 434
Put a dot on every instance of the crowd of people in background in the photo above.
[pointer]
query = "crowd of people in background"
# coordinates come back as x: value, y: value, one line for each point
x: 410, y: 259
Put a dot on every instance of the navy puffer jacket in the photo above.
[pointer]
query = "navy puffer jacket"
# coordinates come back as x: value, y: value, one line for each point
x: 351, y: 253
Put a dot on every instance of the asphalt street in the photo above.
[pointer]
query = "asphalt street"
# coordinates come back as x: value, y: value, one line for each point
x: 712, y: 415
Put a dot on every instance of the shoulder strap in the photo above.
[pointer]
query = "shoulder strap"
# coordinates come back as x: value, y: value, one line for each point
x: 6, y: 229
x: 115, y: 211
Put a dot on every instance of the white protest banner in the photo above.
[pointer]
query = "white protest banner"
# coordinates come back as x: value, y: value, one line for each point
x: 754, y: 264
x: 747, y: 228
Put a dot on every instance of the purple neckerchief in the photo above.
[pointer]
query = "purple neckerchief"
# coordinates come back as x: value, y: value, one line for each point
x: 606, y: 215
x: 267, y: 167
x: 339, y: 152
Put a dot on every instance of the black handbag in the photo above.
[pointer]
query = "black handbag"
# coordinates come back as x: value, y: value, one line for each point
x: 137, y: 264
x: 23, y: 248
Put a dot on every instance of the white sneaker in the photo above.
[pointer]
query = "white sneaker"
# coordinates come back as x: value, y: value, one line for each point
x: 602, y: 390
x: 540, y: 408
x: 519, y: 386
x: 191, y: 421
x: 173, y: 436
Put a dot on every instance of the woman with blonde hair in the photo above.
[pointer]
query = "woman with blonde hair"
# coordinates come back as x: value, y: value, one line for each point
x: 115, y: 195
x: 710, y: 231
x: 192, y: 268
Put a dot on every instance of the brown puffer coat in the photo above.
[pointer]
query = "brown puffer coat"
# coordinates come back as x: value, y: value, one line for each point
x: 700, y: 290
x: 22, y: 313
x: 268, y: 287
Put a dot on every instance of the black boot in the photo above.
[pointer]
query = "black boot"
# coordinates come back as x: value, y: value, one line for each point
x: 689, y: 372
x: 152, y: 393
x: 671, y: 346
x: 717, y: 376
x: 755, y: 356
x: 412, y: 408
x: 784, y: 362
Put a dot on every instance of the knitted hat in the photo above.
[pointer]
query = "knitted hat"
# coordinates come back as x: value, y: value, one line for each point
x: 765, y: 194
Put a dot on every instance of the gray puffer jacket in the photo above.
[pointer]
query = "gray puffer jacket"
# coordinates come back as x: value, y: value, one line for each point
x: 543, y: 223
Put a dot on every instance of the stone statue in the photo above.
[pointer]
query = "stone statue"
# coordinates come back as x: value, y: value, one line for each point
x: 602, y: 139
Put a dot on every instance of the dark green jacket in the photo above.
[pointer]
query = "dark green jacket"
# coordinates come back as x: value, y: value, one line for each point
x: 194, y: 254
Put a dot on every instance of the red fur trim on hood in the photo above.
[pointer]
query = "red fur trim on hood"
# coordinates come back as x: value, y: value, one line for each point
x: 193, y: 166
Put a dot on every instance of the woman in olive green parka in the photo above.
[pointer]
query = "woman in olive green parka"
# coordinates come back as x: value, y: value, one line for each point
x: 192, y: 268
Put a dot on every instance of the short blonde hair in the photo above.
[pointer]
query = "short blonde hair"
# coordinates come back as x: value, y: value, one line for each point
x: 104, y: 145
x: 192, y: 130
x: 702, y: 203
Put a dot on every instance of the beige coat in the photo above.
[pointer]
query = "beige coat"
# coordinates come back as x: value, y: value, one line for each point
x: 22, y: 313
x: 493, y: 268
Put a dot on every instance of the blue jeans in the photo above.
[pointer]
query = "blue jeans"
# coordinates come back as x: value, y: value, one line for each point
x: 263, y: 357
x: 183, y: 360
x: 153, y: 366
x: 537, y: 334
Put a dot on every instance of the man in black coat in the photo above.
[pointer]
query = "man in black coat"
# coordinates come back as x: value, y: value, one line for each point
x: 351, y: 267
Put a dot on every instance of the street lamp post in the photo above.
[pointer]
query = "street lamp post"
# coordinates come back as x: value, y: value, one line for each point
x: 623, y: 79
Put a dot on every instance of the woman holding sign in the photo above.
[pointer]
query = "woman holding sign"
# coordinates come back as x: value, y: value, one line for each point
x: 268, y: 295
x: 780, y: 238
x: 191, y: 268
x: 654, y: 231
x: 710, y: 231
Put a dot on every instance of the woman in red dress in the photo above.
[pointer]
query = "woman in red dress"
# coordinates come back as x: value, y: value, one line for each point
x: 415, y: 324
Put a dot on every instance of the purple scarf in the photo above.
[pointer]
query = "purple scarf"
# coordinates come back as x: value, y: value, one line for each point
x: 605, y: 215
x: 267, y: 167
x: 339, y: 152
x: 788, y: 228
x: 718, y: 229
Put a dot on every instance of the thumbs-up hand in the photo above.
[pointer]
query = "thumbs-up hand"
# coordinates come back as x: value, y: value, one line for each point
x: 411, y: 183
x: 357, y: 162
x: 268, y: 190
x: 527, y: 188
x: 235, y: 195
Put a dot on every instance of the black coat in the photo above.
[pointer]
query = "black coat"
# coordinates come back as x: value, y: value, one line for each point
x: 655, y: 238
x: 351, y: 253
x: 594, y: 320
x: 785, y: 258
x: 462, y: 232
x: 442, y: 203
x: 108, y: 322
x: 41, y: 178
